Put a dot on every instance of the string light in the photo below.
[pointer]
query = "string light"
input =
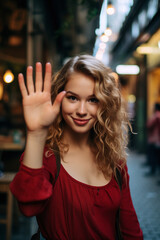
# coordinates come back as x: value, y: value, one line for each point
x: 110, y: 8
x: 108, y: 32
x: 104, y: 38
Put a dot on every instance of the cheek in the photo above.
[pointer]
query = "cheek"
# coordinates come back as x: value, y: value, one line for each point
x: 67, y: 107
x: 94, y: 110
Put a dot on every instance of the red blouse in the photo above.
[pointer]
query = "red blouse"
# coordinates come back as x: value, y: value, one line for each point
x: 72, y: 210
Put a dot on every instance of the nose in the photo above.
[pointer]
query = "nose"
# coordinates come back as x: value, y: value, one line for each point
x: 82, y: 110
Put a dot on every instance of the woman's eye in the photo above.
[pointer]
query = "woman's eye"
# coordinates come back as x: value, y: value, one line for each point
x: 72, y: 98
x: 93, y: 100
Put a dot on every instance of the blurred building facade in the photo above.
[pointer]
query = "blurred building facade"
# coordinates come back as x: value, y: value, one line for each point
x: 135, y: 40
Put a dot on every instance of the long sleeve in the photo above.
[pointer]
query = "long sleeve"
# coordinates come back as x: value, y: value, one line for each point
x: 33, y: 187
x: 128, y: 219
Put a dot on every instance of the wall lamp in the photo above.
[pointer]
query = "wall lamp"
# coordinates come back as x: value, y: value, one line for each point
x: 8, y: 77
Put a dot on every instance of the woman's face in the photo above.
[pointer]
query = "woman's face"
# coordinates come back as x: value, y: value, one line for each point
x: 79, y: 106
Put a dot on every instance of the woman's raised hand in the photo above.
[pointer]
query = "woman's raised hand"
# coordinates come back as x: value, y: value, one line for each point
x: 39, y: 112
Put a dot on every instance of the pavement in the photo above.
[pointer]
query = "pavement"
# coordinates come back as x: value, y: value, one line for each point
x: 145, y: 195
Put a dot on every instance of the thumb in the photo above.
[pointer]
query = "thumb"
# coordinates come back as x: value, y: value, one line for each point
x: 58, y: 100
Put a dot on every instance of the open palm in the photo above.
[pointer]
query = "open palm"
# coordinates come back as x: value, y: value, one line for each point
x: 39, y: 112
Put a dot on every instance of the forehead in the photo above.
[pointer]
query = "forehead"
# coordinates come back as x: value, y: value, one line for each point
x: 80, y: 83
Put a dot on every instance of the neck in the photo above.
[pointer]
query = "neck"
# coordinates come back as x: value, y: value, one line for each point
x: 75, y: 140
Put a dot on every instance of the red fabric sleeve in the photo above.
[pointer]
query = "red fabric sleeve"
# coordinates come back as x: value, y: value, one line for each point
x: 129, y: 224
x: 30, y: 185
x: 33, y: 187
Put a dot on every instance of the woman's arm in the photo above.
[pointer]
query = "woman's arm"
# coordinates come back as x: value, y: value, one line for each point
x: 32, y: 186
x: 39, y: 112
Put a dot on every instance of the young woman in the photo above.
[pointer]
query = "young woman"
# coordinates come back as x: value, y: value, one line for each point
x: 79, y: 114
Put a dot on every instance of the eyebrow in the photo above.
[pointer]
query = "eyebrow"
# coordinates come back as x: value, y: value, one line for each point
x: 70, y: 92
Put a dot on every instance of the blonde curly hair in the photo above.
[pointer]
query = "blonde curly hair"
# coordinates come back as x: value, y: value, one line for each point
x: 109, y: 134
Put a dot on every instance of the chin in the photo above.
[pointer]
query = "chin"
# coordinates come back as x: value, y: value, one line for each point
x: 81, y: 130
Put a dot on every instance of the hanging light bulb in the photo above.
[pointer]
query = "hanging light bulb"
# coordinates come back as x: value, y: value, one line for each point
x: 104, y: 38
x: 108, y: 32
x: 8, y: 77
x: 110, y: 8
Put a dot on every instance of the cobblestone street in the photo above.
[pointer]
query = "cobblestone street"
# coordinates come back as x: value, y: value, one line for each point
x: 146, y: 197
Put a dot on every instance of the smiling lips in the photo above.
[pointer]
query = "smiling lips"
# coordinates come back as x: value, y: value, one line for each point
x: 80, y: 122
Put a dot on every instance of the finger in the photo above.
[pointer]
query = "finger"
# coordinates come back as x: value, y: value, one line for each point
x: 58, y: 100
x: 39, y: 77
x: 22, y: 85
x: 30, y: 85
x: 47, y: 78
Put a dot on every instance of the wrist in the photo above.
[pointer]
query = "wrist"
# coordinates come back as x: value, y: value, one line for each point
x: 35, y: 143
x: 39, y: 135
